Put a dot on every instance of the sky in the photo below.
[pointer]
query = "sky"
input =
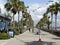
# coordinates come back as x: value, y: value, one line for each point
x: 36, y: 8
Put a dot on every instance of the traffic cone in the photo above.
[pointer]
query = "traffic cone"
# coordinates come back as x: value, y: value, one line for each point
x: 39, y: 39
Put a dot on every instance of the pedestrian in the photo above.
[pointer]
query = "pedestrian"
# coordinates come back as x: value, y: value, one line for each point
x: 38, y: 31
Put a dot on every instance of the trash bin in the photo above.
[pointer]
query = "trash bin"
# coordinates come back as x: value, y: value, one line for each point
x: 11, y: 33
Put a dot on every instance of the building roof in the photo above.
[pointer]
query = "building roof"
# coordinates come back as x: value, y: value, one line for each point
x: 4, y: 17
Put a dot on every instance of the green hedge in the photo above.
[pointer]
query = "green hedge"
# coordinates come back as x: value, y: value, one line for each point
x: 4, y: 36
x: 55, y: 32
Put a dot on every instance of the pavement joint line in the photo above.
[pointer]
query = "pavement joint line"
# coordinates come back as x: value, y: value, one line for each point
x: 4, y: 43
x: 19, y: 39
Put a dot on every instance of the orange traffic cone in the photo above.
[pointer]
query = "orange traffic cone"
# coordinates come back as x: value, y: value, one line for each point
x: 39, y: 39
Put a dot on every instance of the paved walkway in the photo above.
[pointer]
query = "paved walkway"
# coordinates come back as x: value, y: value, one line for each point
x: 29, y: 38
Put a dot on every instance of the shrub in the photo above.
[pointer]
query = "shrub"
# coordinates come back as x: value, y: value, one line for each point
x: 16, y: 32
x: 55, y: 32
x: 4, y: 36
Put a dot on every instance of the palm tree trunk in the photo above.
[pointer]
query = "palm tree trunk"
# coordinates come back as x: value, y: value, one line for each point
x: 55, y: 22
x: 13, y: 23
x: 22, y: 19
x: 5, y: 25
x: 18, y: 19
x: 51, y: 20
x: 48, y: 26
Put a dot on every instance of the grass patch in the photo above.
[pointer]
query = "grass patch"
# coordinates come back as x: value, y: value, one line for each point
x: 16, y: 32
x: 4, y: 36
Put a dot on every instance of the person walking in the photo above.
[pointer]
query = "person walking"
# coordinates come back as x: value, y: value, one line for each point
x: 38, y: 31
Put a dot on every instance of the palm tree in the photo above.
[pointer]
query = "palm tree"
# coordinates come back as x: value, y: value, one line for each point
x: 29, y: 20
x: 45, y: 16
x: 57, y: 9
x: 20, y: 7
x: 44, y: 21
x: 48, y: 22
x: 10, y: 6
x: 24, y: 12
x: 54, y: 9
x: 15, y: 6
x: 41, y: 23
x: 51, y: 10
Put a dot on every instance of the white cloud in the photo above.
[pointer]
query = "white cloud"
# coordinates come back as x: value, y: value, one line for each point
x: 2, y: 8
x: 37, y: 10
x: 34, y: 6
x: 36, y: 18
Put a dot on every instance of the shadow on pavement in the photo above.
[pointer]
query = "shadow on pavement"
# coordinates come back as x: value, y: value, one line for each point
x: 56, y: 38
x: 43, y: 34
x: 39, y: 43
